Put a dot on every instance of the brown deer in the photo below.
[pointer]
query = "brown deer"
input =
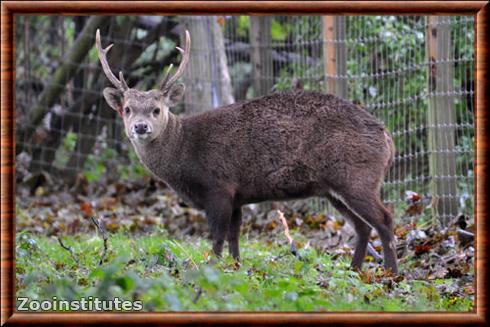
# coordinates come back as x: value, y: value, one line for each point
x: 282, y: 146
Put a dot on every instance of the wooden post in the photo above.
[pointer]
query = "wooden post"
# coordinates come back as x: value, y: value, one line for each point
x: 334, y: 59
x: 334, y: 54
x: 441, y: 120
x: 261, y: 55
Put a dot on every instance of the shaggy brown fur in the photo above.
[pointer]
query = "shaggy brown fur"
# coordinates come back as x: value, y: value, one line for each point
x: 282, y: 146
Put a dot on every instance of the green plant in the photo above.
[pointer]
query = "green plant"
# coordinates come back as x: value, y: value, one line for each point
x: 169, y: 275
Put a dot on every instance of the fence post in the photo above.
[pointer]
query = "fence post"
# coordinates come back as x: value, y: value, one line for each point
x: 441, y: 120
x: 261, y: 55
x: 334, y: 54
x: 335, y: 70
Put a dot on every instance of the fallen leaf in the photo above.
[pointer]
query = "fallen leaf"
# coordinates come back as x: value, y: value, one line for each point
x: 86, y: 208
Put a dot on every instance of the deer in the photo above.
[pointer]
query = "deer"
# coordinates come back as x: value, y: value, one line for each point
x: 282, y: 146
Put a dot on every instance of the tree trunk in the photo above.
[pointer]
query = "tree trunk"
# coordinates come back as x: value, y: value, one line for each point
x: 261, y: 55
x: 224, y: 89
x: 198, y: 96
x: 207, y: 79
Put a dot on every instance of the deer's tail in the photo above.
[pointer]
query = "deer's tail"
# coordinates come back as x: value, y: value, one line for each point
x: 391, y: 150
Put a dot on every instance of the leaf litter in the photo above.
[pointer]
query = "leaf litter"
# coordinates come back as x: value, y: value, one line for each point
x: 425, y: 253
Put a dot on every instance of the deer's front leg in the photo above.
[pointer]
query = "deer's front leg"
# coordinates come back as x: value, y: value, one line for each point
x: 234, y: 233
x: 218, y: 212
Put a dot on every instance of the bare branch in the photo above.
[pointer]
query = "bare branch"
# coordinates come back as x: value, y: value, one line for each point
x: 104, y: 237
x: 69, y: 249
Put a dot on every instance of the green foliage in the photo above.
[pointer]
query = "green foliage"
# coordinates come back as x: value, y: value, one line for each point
x: 107, y: 163
x: 286, y: 79
x: 279, y: 32
x: 65, y: 151
x: 70, y: 141
x: 304, y: 29
x: 243, y: 26
x: 168, y: 275
x: 95, y: 165
x: 132, y: 170
x: 154, y: 53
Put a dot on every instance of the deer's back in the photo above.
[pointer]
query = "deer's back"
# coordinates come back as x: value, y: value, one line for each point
x: 285, y: 145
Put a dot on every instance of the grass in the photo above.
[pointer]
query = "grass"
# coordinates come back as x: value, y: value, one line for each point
x: 171, y: 275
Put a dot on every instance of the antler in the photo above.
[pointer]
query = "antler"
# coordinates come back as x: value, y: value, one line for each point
x: 168, y: 80
x: 118, y: 83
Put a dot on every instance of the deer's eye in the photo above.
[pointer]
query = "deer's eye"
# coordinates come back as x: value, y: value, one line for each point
x: 156, y: 111
x: 127, y: 111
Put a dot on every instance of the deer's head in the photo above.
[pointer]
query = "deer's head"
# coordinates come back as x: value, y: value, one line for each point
x: 145, y: 113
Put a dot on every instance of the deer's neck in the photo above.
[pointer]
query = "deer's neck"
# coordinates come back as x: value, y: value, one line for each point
x: 160, y: 155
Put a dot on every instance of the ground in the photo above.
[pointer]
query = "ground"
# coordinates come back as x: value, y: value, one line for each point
x: 157, y: 251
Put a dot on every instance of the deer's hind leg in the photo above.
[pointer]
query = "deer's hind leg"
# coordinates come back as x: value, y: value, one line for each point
x: 362, y: 231
x: 368, y: 208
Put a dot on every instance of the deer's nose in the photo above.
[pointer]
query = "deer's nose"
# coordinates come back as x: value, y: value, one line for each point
x: 141, y: 128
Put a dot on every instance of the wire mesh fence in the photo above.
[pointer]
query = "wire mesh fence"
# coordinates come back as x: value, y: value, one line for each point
x: 415, y: 73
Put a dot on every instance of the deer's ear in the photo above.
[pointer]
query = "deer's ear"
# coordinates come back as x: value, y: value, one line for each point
x: 175, y: 94
x: 114, y: 98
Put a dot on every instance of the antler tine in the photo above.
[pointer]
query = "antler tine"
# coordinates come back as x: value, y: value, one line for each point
x: 169, y: 81
x: 120, y: 84
x: 167, y: 76
x: 123, y: 81
x: 185, y: 59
